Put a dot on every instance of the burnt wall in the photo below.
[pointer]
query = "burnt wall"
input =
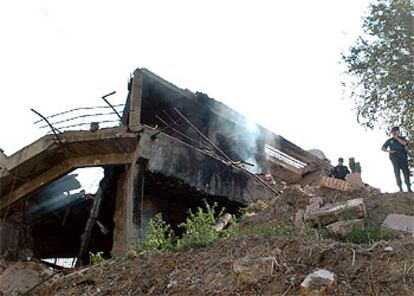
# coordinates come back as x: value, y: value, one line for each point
x: 240, y: 138
x: 203, y: 173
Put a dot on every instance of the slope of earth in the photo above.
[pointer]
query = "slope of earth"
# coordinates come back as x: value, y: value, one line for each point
x: 265, y: 230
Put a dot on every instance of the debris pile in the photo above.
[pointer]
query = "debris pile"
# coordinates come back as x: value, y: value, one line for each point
x: 271, y: 255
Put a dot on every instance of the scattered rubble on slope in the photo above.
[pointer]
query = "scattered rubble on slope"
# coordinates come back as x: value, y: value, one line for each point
x: 267, y: 257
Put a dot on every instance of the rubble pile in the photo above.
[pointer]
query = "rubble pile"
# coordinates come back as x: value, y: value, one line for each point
x: 294, y: 259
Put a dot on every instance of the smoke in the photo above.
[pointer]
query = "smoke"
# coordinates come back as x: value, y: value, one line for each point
x: 246, y: 141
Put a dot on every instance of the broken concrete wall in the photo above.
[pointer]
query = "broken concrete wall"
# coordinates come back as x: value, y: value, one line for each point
x: 16, y: 241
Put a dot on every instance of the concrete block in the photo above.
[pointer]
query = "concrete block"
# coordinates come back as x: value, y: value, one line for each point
x: 310, y: 209
x: 336, y: 184
x: 398, y: 222
x: 298, y: 219
x: 252, y: 269
x: 350, y: 209
x: 21, y: 277
x: 355, y: 179
x: 318, y: 283
x: 344, y: 227
x: 314, y: 204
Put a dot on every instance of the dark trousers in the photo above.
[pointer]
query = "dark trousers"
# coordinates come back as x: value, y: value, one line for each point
x: 400, y: 163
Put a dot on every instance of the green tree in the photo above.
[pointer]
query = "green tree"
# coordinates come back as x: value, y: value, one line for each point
x: 380, y: 65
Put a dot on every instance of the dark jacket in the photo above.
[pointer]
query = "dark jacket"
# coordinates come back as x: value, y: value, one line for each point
x: 340, y: 171
x: 400, y: 150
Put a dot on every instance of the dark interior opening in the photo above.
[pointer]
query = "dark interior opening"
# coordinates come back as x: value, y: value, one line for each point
x: 57, y: 233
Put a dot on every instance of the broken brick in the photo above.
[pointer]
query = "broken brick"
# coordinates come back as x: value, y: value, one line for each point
x: 350, y: 209
x: 336, y: 184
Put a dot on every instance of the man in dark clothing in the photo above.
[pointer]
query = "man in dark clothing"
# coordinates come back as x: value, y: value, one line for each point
x: 341, y: 170
x: 396, y: 147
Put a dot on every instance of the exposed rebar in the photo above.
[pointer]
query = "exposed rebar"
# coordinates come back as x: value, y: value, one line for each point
x: 50, y: 125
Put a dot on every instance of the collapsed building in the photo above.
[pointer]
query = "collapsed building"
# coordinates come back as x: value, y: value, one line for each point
x: 171, y: 150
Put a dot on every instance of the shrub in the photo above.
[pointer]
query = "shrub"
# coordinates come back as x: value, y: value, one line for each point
x: 96, y: 258
x: 198, y: 232
x: 160, y: 236
x: 198, y: 229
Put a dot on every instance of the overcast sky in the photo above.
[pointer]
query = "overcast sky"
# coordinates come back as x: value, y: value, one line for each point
x: 277, y: 62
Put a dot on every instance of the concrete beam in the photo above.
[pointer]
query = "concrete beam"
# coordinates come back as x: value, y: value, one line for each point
x: 63, y: 168
x: 136, y: 101
x: 49, y: 142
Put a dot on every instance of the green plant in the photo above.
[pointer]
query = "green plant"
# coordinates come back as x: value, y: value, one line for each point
x: 160, y: 236
x: 96, y: 258
x: 362, y: 235
x: 198, y: 229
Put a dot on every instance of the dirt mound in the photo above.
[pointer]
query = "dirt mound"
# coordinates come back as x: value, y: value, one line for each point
x: 265, y: 230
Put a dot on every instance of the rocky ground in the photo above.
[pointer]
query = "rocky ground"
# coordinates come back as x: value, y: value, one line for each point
x: 267, y: 256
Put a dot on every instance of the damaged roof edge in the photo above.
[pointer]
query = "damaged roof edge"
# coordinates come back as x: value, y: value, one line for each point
x: 221, y: 109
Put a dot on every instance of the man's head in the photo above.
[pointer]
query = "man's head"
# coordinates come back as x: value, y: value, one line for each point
x: 340, y: 161
x: 395, y: 131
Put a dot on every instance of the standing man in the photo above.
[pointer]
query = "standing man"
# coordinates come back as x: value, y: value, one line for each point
x: 340, y: 171
x: 396, y: 147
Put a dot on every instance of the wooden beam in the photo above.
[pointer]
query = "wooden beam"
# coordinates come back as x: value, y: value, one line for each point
x: 86, y: 236
x: 59, y: 170
x: 135, y: 101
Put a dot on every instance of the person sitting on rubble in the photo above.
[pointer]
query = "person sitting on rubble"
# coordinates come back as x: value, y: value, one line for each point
x: 396, y: 147
x: 340, y: 171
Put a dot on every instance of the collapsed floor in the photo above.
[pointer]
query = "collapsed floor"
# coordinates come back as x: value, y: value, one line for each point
x: 361, y: 269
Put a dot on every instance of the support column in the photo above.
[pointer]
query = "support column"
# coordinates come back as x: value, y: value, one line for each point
x: 128, y: 209
x: 135, y: 101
